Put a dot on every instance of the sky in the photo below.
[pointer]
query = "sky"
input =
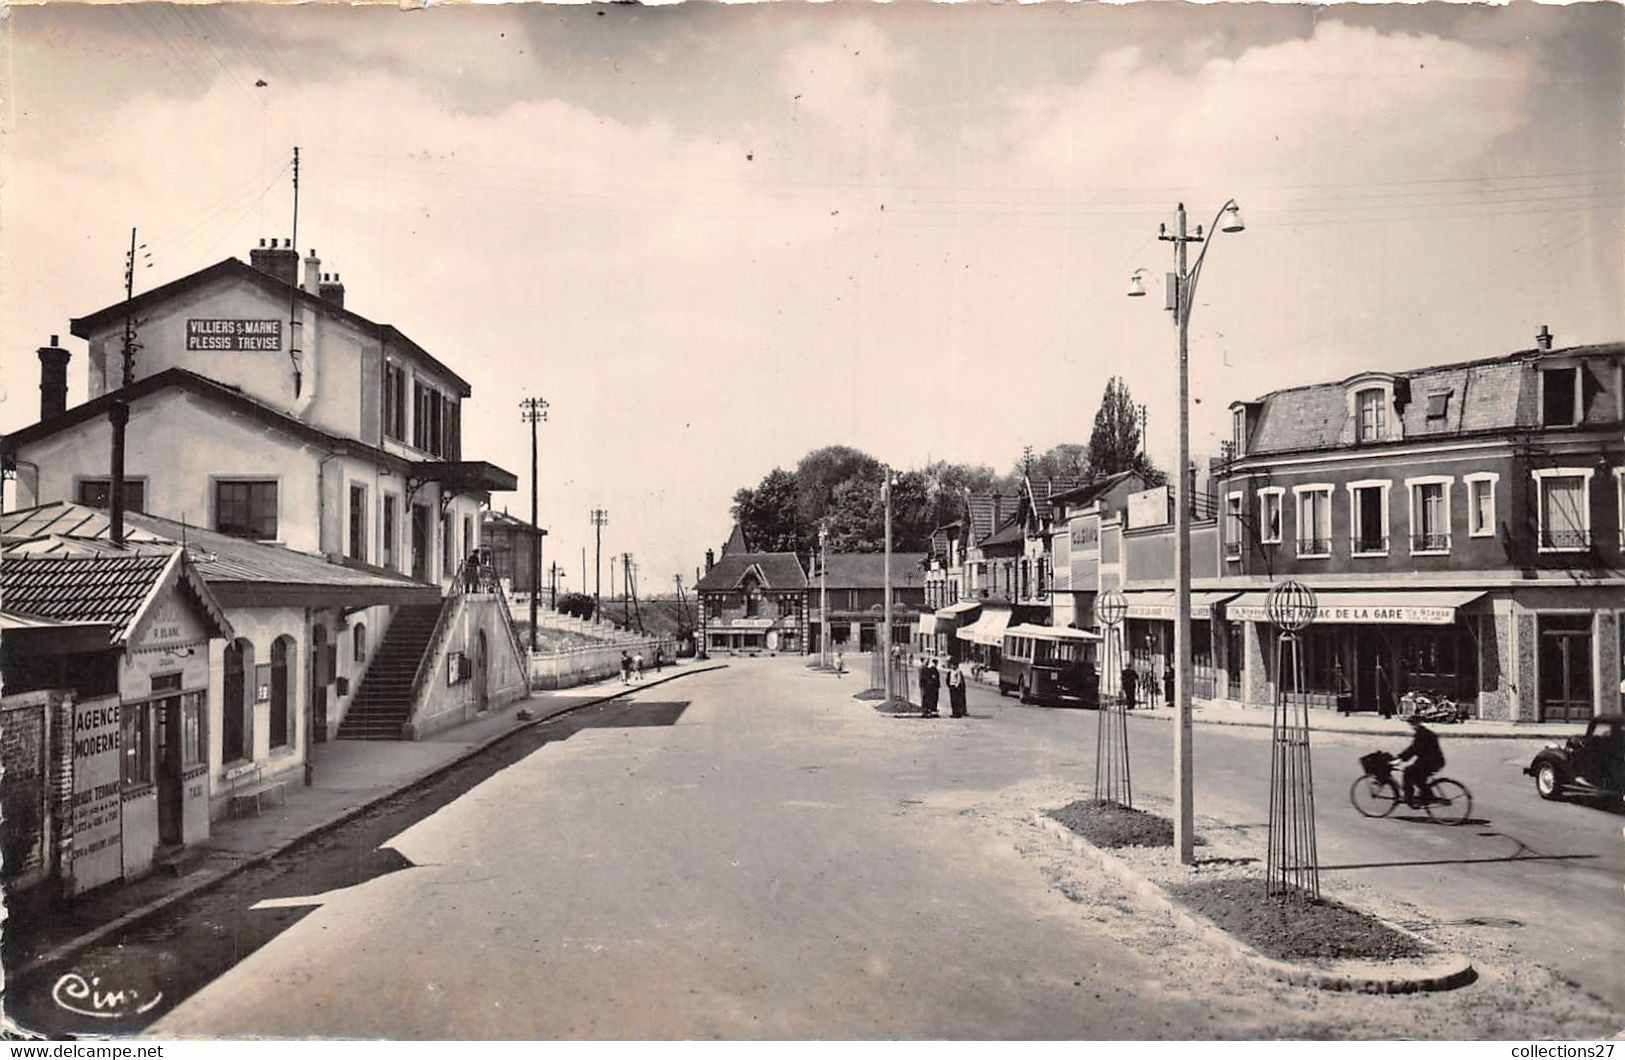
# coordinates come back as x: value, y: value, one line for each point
x: 716, y: 237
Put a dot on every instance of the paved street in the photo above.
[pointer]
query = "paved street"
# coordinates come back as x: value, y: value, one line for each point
x: 780, y: 860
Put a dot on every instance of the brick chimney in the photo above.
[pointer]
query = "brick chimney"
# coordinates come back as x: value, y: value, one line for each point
x: 118, y: 414
x: 313, y: 273
x: 1543, y: 338
x: 279, y: 260
x: 53, y: 380
x: 332, y: 289
x: 710, y: 559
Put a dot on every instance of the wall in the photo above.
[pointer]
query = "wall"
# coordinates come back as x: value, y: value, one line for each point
x: 36, y: 784
x: 260, y: 626
x: 578, y: 666
x: 442, y: 703
x: 1149, y: 555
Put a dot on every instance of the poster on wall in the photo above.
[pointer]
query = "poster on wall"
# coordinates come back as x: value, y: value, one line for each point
x: 454, y: 667
x: 98, y: 855
x: 262, y: 683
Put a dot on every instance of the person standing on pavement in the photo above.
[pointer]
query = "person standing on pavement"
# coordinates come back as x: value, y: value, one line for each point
x: 1168, y: 684
x: 1130, y: 679
x: 626, y: 668
x: 956, y: 691
x: 929, y: 682
x: 840, y: 663
x: 660, y: 658
x: 637, y: 665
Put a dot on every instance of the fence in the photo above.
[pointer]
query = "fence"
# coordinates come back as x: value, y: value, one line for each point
x: 577, y: 666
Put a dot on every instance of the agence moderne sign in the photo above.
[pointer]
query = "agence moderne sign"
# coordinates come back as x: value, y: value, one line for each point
x: 236, y: 336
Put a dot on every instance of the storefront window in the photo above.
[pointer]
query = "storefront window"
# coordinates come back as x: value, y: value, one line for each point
x: 192, y: 715
x: 136, y: 743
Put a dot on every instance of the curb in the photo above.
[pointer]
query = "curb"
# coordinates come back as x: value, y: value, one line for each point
x: 1444, y: 732
x: 210, y: 880
x: 1446, y: 971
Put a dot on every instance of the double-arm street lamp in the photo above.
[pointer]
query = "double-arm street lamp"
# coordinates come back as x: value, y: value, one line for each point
x: 1181, y: 299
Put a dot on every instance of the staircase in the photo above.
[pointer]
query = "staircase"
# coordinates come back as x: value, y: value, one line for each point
x: 383, y: 703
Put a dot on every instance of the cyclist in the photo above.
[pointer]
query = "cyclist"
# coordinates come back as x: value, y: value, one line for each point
x: 1427, y: 759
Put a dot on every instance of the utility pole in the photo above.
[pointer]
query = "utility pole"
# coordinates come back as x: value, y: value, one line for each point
x: 296, y: 343
x: 130, y: 345
x: 1143, y: 444
x: 554, y: 571
x: 632, y: 589
x: 823, y: 592
x: 886, y: 639
x: 600, y: 519
x: 533, y: 410
x: 626, y: 590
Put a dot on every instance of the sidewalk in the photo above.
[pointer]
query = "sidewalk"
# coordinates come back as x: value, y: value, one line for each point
x: 350, y: 776
x: 1210, y: 713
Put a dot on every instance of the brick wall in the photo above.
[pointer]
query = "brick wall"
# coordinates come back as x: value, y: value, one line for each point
x: 36, y: 787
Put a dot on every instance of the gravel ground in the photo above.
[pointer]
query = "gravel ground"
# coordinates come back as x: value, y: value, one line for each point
x: 1108, y: 825
x: 1513, y: 998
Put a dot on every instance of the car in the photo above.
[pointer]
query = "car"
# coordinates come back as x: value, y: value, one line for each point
x: 1591, y: 764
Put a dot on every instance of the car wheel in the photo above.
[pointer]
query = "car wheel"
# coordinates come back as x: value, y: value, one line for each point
x: 1548, y: 781
x: 1004, y: 689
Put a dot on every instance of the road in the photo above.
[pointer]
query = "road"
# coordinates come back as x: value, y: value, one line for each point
x: 752, y: 853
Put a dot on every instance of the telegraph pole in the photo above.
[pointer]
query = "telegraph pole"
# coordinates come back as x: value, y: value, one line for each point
x: 130, y: 345
x: 626, y: 590
x: 1143, y: 444
x: 533, y: 410
x: 296, y: 344
x: 600, y: 519
x: 885, y: 492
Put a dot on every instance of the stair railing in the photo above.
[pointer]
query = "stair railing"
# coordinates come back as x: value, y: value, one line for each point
x: 442, y: 626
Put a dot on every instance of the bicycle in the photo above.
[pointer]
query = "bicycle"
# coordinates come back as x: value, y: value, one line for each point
x: 1375, y: 794
x: 1437, y: 709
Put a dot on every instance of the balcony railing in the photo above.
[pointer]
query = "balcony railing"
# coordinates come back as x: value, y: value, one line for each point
x: 1368, y: 545
x: 1565, y: 540
x: 1314, y: 546
x: 1430, y: 542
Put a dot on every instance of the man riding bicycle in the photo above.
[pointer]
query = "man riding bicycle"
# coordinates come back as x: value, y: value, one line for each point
x: 1427, y: 759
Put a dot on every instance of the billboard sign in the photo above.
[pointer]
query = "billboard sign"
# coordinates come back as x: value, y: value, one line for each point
x: 234, y: 336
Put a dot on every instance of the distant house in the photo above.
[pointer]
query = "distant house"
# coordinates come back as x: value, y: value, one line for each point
x: 855, y: 587
x: 752, y: 602
x: 513, y: 546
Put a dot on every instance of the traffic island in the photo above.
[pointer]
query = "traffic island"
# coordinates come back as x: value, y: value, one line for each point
x: 1221, y: 900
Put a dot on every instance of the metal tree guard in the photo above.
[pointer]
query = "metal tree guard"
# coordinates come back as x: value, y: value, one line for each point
x: 1293, y: 863
x: 1112, y: 779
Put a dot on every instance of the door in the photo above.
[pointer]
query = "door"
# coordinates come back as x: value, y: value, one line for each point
x: 1235, y: 657
x: 1565, y: 667
x: 320, y: 676
x: 420, y: 542
x: 480, y: 678
x: 170, y: 788
x: 1373, y: 672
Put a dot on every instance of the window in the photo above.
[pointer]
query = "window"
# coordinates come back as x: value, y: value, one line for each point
x: 135, y: 743
x: 1269, y: 515
x: 1234, y: 531
x: 98, y: 493
x: 1314, y: 520
x: 1565, y: 509
x: 1481, y: 504
x: 470, y: 546
x: 429, y: 419
x: 1438, y: 407
x: 1368, y: 513
x: 394, y: 401
x: 448, y: 546
x: 1560, y: 396
x: 358, y: 642
x: 1430, y: 514
x: 193, y: 713
x: 388, y: 545
x: 246, y: 509
x: 281, y: 701
x: 1238, y: 432
x: 358, y: 523
x: 1373, y: 416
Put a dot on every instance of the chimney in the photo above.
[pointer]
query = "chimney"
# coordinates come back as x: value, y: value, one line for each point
x: 53, y: 380
x: 332, y: 289
x: 279, y: 261
x: 313, y: 273
x: 1543, y: 338
x: 710, y: 559
x: 118, y: 413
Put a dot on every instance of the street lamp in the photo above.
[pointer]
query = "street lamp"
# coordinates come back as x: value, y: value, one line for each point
x: 1181, y: 299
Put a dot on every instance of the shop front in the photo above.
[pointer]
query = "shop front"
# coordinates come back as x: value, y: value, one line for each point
x: 983, y: 639
x: 1150, y: 641
x: 950, y: 620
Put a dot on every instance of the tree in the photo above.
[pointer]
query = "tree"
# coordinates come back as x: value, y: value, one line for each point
x: 1067, y: 460
x: 820, y: 473
x: 770, y: 514
x: 1115, y: 444
x: 578, y: 605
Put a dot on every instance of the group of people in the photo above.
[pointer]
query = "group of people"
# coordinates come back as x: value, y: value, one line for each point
x: 931, y: 681
x: 632, y: 665
x: 1135, y: 683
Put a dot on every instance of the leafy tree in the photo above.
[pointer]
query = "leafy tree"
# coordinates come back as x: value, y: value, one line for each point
x: 1067, y: 460
x: 820, y: 473
x: 578, y: 605
x: 1115, y: 444
x: 770, y: 514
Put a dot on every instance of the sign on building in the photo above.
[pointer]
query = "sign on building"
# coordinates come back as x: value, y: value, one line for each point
x: 98, y: 855
x: 1149, y: 508
x: 235, y: 336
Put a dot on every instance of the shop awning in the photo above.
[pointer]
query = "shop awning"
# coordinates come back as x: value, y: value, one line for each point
x: 1159, y: 603
x: 1419, y: 607
x: 953, y: 611
x: 988, y: 630
x: 1053, y: 632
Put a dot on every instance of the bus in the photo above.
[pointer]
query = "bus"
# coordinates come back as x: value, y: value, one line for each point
x: 1050, y: 664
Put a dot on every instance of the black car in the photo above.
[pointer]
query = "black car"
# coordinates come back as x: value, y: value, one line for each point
x: 1593, y: 763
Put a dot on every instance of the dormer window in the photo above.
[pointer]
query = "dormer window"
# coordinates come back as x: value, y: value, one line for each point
x: 1238, y: 433
x: 1560, y: 396
x: 1371, y: 409
x: 1438, y: 407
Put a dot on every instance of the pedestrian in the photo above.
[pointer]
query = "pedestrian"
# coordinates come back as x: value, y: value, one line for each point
x: 626, y: 668
x: 1130, y: 679
x: 840, y: 663
x: 637, y: 665
x: 1168, y: 684
x: 1153, y: 689
x: 660, y: 658
x: 930, y: 680
x: 1385, y: 698
x: 956, y: 690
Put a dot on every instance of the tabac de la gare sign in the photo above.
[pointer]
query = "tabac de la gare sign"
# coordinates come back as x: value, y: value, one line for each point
x: 97, y: 855
x: 1399, y: 614
x: 236, y: 336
